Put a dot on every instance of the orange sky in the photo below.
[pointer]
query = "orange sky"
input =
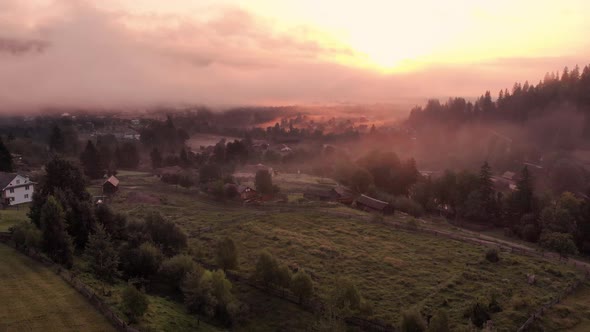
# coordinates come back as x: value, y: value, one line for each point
x: 113, y: 53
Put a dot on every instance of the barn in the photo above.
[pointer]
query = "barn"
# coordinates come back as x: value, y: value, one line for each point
x: 370, y: 204
x: 110, y: 186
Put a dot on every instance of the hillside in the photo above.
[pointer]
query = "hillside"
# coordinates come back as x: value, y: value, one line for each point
x: 393, y: 268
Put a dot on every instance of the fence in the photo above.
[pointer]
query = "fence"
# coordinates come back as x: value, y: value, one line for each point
x: 84, y: 290
x: 537, y: 314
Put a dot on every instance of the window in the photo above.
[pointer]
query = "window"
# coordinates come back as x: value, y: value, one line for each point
x: 12, y: 190
x: 26, y: 195
x: 26, y: 187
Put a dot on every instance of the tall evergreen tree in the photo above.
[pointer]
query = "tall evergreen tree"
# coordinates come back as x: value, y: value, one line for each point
x: 60, y: 175
x: 486, y: 188
x: 56, y: 240
x: 156, y: 158
x: 102, y: 255
x: 90, y: 159
x: 56, y: 140
x: 5, y: 158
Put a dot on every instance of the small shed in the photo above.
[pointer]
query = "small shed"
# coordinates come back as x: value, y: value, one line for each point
x: 343, y: 195
x: 246, y: 192
x: 370, y: 204
x: 110, y: 186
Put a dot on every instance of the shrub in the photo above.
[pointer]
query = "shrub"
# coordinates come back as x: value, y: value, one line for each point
x: 141, y: 262
x: 266, y: 268
x: 492, y: 256
x: 284, y: 276
x: 174, y: 270
x: 135, y: 303
x: 347, y: 295
x: 227, y: 254
x: 208, y: 292
x: 478, y: 314
x: 302, y: 286
x: 412, y: 321
x: 562, y: 243
x: 166, y: 234
x: 439, y: 322
x: 26, y: 235
x: 412, y: 224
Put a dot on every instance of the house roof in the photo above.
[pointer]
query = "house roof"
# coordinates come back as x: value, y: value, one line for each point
x: 343, y: 191
x: 372, y: 202
x: 318, y: 193
x: 6, y: 178
x: 243, y: 188
x: 112, y: 180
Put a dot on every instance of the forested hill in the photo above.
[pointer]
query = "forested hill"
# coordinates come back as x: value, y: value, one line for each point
x: 523, y: 102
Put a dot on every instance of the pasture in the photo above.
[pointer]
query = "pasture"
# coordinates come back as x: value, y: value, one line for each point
x: 394, y: 269
x: 33, y: 298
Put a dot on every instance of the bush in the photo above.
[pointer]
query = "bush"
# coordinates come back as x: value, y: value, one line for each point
x: 408, y: 206
x: 478, y: 314
x: 26, y: 235
x: 135, y: 303
x: 562, y: 243
x: 347, y: 295
x: 439, y: 322
x: 412, y: 321
x: 166, y: 234
x: 227, y: 254
x: 208, y: 292
x: 141, y: 262
x: 266, y: 268
x: 174, y: 270
x: 302, y: 286
x: 492, y: 256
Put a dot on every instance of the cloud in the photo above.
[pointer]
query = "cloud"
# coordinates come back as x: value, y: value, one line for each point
x: 71, y: 54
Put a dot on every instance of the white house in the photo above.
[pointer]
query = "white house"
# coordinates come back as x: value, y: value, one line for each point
x: 16, y: 189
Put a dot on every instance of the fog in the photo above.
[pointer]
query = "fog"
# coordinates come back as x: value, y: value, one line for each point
x: 71, y: 54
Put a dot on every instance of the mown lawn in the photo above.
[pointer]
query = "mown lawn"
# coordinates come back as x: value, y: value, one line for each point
x: 13, y: 216
x: 33, y: 298
x: 394, y: 269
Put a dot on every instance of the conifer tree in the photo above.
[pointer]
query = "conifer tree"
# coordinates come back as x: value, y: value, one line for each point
x: 5, y: 158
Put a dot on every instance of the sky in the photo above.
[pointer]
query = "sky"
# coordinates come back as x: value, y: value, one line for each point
x: 141, y: 53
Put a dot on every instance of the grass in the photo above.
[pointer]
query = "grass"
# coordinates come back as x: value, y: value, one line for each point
x: 394, y: 269
x: 33, y: 298
x: 12, y: 216
x: 572, y: 314
x: 162, y: 315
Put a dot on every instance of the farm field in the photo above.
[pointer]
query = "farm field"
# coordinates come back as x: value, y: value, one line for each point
x: 394, y: 269
x: 33, y: 298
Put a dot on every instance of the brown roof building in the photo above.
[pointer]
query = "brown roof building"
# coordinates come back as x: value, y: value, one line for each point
x: 370, y: 204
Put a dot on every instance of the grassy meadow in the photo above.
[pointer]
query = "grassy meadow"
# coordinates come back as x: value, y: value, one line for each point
x: 12, y: 216
x: 34, y: 298
x: 394, y: 269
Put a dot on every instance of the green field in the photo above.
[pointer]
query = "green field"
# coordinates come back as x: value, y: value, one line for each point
x: 33, y: 298
x: 572, y: 314
x: 394, y: 269
x: 12, y: 216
